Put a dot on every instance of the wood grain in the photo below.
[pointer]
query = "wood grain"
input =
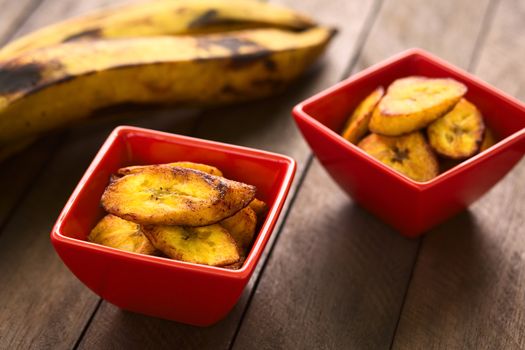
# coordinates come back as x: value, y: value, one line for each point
x: 266, y: 125
x: 468, y: 289
x: 17, y: 173
x: 440, y: 27
x: 13, y: 15
x: 42, y: 304
x: 338, y: 276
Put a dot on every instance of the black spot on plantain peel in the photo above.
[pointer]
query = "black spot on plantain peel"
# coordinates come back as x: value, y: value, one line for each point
x: 230, y: 43
x: 207, y: 18
x: 93, y: 33
x: 234, y: 45
x: 239, y: 60
x: 15, y: 78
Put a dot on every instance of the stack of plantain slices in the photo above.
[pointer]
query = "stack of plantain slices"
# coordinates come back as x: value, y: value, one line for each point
x: 196, y: 52
x: 391, y: 127
x: 185, y: 211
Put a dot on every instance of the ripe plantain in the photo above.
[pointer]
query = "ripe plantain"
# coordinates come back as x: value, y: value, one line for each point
x: 408, y: 154
x: 241, y: 227
x: 190, y: 165
x: 414, y: 102
x: 357, y: 125
x: 165, y: 195
x: 458, y: 134
x: 118, y: 233
x: 209, y: 245
x: 54, y: 86
x: 157, y: 18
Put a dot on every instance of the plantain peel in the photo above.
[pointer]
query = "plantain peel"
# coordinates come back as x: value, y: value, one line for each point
x: 158, y: 18
x: 165, y: 195
x: 209, y: 245
x: 115, y: 232
x: 459, y: 133
x: 39, y: 91
x: 408, y: 154
x: 357, y: 125
x: 190, y: 165
x: 414, y: 102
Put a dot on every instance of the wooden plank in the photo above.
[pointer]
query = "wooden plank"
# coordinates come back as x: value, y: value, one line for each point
x: 468, y: 289
x: 337, y: 276
x: 267, y: 125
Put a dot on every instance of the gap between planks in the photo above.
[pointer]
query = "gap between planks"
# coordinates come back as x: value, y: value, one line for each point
x: 488, y: 18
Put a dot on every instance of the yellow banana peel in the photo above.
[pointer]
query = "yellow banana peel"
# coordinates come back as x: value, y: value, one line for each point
x: 158, y: 18
x: 51, y: 87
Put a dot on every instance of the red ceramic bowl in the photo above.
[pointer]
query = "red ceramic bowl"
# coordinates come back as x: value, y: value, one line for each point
x: 409, y: 206
x: 161, y: 287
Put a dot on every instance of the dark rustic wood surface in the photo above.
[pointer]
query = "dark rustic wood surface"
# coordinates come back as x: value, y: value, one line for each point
x: 333, y: 276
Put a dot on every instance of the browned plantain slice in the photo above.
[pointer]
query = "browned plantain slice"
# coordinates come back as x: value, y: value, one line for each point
x: 190, y: 165
x: 414, y: 102
x: 115, y: 232
x: 357, y: 125
x: 166, y: 195
x: 408, y: 154
x: 209, y: 245
x: 458, y: 133
x: 259, y: 207
x: 241, y: 226
x: 489, y: 139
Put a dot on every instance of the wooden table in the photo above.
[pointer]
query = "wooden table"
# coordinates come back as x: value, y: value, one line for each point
x: 334, y: 276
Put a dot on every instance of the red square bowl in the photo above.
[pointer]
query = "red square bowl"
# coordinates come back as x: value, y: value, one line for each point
x: 410, y: 207
x: 175, y: 290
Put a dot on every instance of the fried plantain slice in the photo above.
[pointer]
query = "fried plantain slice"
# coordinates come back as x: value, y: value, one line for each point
x: 408, y: 154
x: 165, y: 195
x: 357, y: 125
x: 414, y: 102
x: 209, y: 245
x: 489, y: 139
x: 458, y: 134
x: 259, y: 207
x: 115, y: 232
x: 241, y: 226
x: 190, y: 165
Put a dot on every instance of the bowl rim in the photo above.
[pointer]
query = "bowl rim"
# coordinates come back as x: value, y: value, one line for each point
x: 264, y: 232
x: 301, y: 115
